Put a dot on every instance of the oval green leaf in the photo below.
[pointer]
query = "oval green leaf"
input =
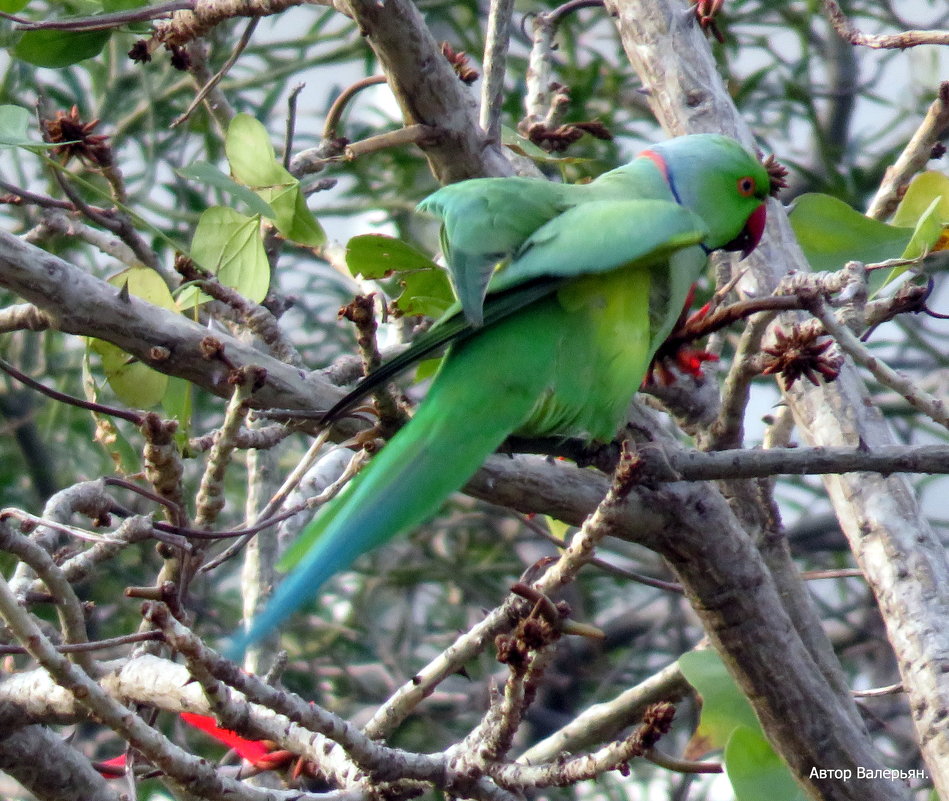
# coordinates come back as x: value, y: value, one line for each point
x: 756, y: 771
x: 135, y: 384
x: 379, y: 256
x: 59, y: 48
x: 921, y: 192
x: 724, y: 707
x: 831, y: 234
x: 145, y: 284
x: 254, y: 164
x: 251, y: 155
x: 228, y: 245
x: 14, y: 124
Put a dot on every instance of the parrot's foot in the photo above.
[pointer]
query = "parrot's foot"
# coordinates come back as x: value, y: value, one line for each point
x: 685, y: 359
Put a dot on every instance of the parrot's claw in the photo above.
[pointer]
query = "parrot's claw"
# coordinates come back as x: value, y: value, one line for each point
x: 686, y: 360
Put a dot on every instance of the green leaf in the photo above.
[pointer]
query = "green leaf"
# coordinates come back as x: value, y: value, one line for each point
x: 376, y: 256
x: 929, y: 230
x: 210, y: 175
x: 753, y: 768
x: 831, y: 233
x: 921, y: 192
x: 12, y: 6
x: 302, y: 227
x: 14, y: 125
x: 427, y: 368
x: 291, y: 216
x: 724, y: 707
x: 228, y: 245
x: 135, y: 384
x: 251, y: 155
x: 254, y: 164
x: 54, y: 49
x: 112, y: 6
x: 927, y: 233
x: 177, y: 403
x: 756, y: 771
x: 426, y: 288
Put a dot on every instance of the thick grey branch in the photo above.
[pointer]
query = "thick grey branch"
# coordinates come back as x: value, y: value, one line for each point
x: 78, y: 303
x: 428, y: 90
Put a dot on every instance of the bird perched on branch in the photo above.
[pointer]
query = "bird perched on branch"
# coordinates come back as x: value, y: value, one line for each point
x: 565, y: 292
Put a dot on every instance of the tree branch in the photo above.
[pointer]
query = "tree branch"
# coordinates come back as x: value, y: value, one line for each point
x: 433, y: 96
x: 893, y: 41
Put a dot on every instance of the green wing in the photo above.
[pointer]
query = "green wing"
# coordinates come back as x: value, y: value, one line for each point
x: 484, y: 222
x: 602, y: 235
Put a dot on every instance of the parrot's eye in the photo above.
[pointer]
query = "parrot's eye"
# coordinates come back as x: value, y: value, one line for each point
x: 746, y: 186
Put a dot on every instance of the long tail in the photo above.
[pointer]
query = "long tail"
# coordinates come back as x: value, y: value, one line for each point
x: 468, y: 413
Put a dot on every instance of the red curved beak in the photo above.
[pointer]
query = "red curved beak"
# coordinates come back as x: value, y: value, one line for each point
x: 750, y: 235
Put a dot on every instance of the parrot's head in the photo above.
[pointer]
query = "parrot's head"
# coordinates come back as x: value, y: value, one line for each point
x: 722, y: 183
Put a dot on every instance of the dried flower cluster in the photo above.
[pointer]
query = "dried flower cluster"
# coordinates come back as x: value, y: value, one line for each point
x: 555, y: 140
x: 778, y: 174
x: 77, y: 139
x: 801, y: 354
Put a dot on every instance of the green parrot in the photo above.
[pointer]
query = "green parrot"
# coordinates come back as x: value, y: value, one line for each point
x: 565, y: 292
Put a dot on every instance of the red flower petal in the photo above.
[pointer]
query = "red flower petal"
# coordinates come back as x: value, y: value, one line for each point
x: 251, y: 750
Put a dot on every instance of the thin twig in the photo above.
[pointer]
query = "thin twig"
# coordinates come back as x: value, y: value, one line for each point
x: 219, y: 75
x: 914, y: 156
x: 893, y: 41
x: 497, y: 39
x: 663, y: 760
x: 291, y: 123
x: 210, y: 498
x: 43, y: 201
x: 72, y: 619
x: 409, y: 135
x: 274, y: 503
x: 562, y: 572
x: 184, y: 770
x: 335, y: 112
x: 97, y: 645
x: 932, y: 407
x: 62, y: 397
